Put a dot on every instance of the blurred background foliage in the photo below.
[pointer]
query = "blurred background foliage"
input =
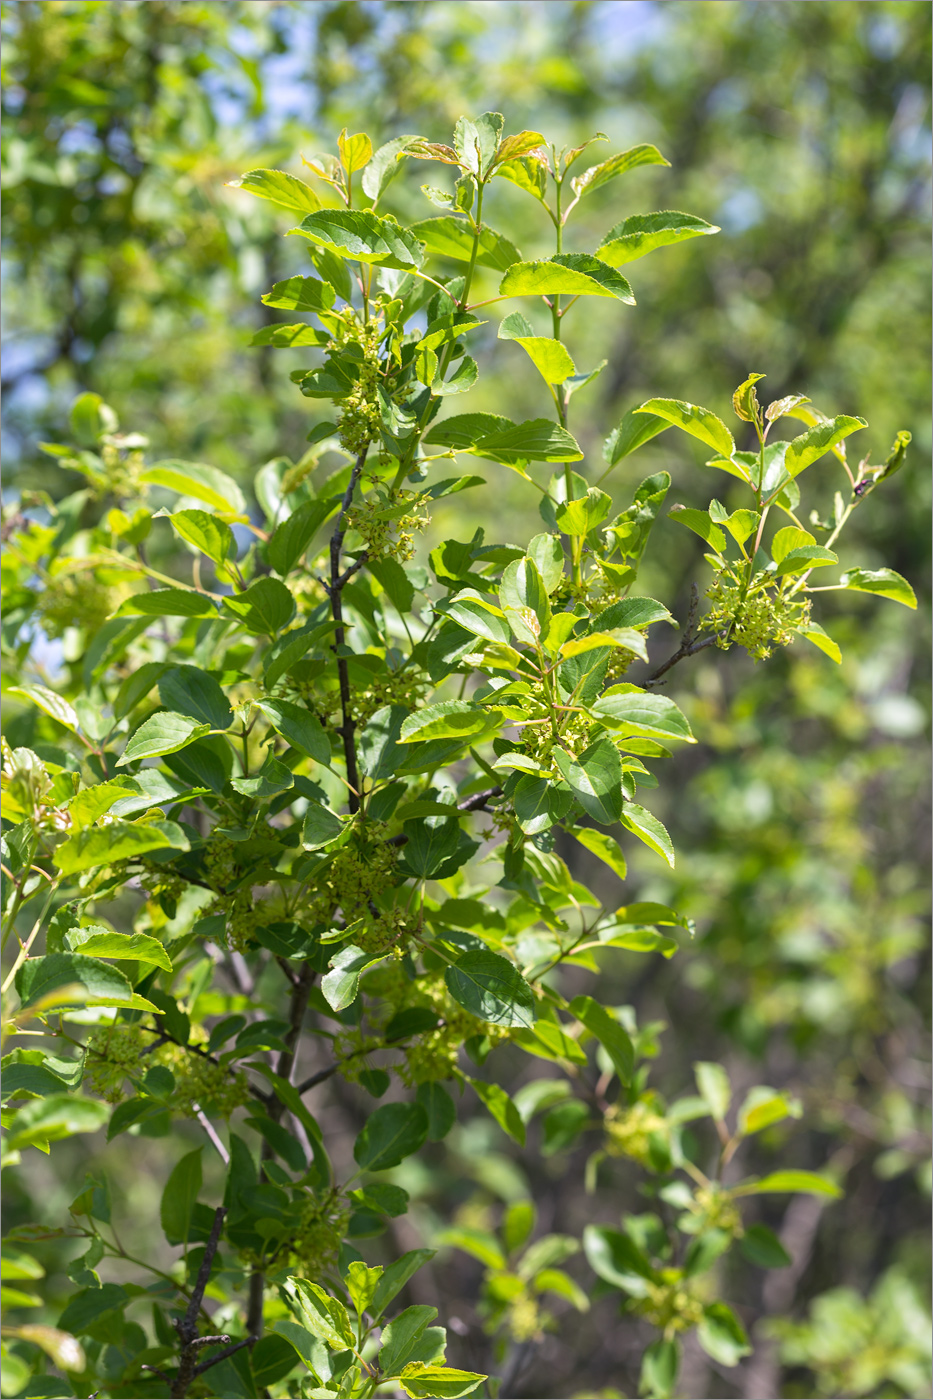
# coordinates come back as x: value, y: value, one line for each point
x: 802, y: 129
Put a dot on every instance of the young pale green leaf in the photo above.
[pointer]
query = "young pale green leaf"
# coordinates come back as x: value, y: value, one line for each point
x: 208, y: 484
x: 206, y: 532
x: 448, y: 237
x: 787, y: 539
x: 187, y: 690
x: 168, y: 602
x: 341, y: 984
x: 595, y: 779
x: 355, y: 151
x: 814, y: 633
x: 298, y: 726
x: 448, y: 719
x: 698, y: 422
x: 763, y: 1106
x: 715, y: 1089
x: 502, y: 1109
x: 58, y: 1116
x: 105, y: 845
x: 383, y: 167
x: 631, y: 710
x: 604, y: 847
x: 640, y: 822
x: 546, y: 554
x: 324, y: 1317
x: 884, y: 582
x: 128, y: 947
x: 614, y: 1039
x: 528, y: 173
x: 421, y: 1380
x: 626, y: 637
x: 817, y: 441
x: 49, y: 701
x: 634, y: 430
x: 166, y: 732
x: 362, y: 236
x: 279, y: 188
x: 598, y: 175
x: 94, y: 983
x: 576, y: 274
x: 265, y: 608
x: 807, y: 557
x: 581, y: 516
x: 492, y: 988
x: 642, y: 233
x: 394, y: 1131
x: 778, y: 1182
x: 699, y: 522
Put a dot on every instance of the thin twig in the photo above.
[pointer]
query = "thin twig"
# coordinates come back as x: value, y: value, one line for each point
x: 689, y: 646
x: 478, y: 801
x: 222, y: 1356
x: 187, y: 1328
x: 336, y: 606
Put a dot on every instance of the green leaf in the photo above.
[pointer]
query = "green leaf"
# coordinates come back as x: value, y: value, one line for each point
x: 165, y: 732
x: 208, y: 484
x: 397, y: 1275
x: 421, y: 1380
x: 355, y: 151
x: 479, y: 616
x: 186, y: 690
x: 761, y: 1246
x: 341, y: 984
x: 279, y: 188
x: 206, y: 532
x: 634, y: 430
x: 49, y: 702
x: 576, y: 274
x: 298, y: 726
x: 626, y: 637
x: 179, y: 1198
x: 479, y: 1244
x: 817, y: 441
x: 642, y: 233
x: 168, y: 602
x: 324, y: 1317
x: 616, y: 1258
x: 807, y: 557
x: 129, y: 947
x: 395, y: 582
x: 291, y: 336
x: 595, y: 778
x: 703, y: 1251
x: 715, y: 1089
x: 361, y: 1284
x: 492, y: 988
x: 581, y: 516
x: 613, y: 1038
x: 448, y: 237
x: 699, y: 522
x: 57, y: 1116
x: 630, y: 710
x: 762, y: 1107
x: 90, y: 1305
x: 321, y: 826
x: 698, y: 422
x: 778, y: 1182
x: 449, y: 719
x: 264, y: 608
x: 502, y: 1109
x: 814, y: 633
x: 400, y: 1337
x: 550, y: 357
x: 383, y: 167
x: 604, y: 846
x: 292, y: 536
x: 621, y: 164
x: 721, y: 1335
x: 648, y: 829
x: 103, y: 985
x: 362, y: 236
x: 522, y: 589
x: 105, y: 845
x: 392, y: 1132
x: 659, y: 1367
x: 546, y: 554
x: 440, y: 1108
x: 272, y: 779
x: 537, y: 440
x: 882, y: 581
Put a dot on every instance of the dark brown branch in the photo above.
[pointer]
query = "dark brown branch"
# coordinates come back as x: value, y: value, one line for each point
x: 477, y: 803
x: 335, y: 590
x: 187, y: 1328
x: 222, y: 1356
x: 689, y: 646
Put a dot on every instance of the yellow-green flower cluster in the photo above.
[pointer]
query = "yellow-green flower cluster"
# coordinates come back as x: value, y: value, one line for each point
x: 759, y: 620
